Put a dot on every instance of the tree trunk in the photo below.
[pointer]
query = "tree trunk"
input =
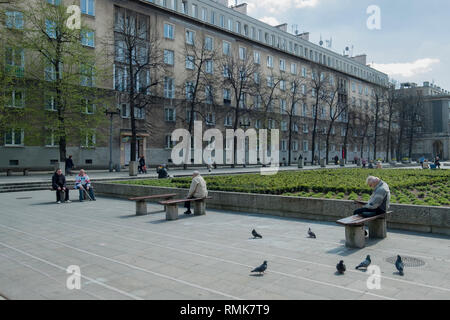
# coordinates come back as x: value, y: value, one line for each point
x: 375, y: 140
x: 411, y: 137
x: 328, y: 144
x: 399, y: 144
x: 388, y: 142
x: 131, y: 99
x: 290, y: 139
x: 314, y: 129
x: 346, y: 139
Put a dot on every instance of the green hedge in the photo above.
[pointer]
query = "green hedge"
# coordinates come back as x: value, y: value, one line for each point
x: 407, y: 186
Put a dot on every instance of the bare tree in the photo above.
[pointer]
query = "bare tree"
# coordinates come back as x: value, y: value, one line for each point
x: 319, y: 89
x: 379, y: 94
x: 200, y: 57
x: 410, y: 119
x: 337, y: 108
x: 402, y: 112
x: 239, y: 78
x: 138, y: 63
x: 416, y: 118
x: 391, y: 98
x: 292, y: 97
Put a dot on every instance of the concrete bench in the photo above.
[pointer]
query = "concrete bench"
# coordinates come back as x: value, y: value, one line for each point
x: 172, y: 207
x: 141, y: 202
x: 354, y: 229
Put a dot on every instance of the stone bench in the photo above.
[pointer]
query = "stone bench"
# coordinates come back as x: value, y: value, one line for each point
x: 141, y: 202
x: 172, y: 207
x: 354, y: 229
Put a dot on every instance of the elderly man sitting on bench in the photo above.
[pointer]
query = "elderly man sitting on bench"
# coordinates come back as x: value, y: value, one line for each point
x: 379, y: 201
x: 197, y: 190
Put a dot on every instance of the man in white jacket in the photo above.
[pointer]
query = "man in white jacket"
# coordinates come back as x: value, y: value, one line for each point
x: 197, y: 190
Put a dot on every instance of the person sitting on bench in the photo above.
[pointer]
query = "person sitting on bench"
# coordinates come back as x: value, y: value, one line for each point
x: 59, y: 185
x: 83, y: 184
x: 379, y: 201
x: 197, y: 190
x: 162, y: 172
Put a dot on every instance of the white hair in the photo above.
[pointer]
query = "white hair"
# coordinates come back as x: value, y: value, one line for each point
x: 196, y: 173
x: 372, y: 179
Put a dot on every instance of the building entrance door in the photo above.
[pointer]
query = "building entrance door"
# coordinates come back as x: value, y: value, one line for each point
x: 438, y: 149
x: 127, y: 148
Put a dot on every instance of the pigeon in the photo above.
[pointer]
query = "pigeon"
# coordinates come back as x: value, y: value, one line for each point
x: 399, y: 265
x: 256, y: 234
x: 311, y: 234
x: 341, y: 267
x: 365, y: 263
x: 261, y: 268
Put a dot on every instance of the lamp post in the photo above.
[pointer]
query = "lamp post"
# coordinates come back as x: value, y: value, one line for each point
x: 245, y: 126
x: 111, y: 115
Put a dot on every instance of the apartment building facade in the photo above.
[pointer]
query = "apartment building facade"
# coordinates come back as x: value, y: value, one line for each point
x: 277, y: 56
x: 433, y: 136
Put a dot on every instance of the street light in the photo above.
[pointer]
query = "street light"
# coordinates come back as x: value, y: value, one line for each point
x: 245, y: 126
x: 111, y: 115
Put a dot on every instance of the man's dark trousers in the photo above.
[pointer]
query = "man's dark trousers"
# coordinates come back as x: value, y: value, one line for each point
x: 368, y: 213
x: 58, y: 195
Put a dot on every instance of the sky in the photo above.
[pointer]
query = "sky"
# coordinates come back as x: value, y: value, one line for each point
x: 411, y: 45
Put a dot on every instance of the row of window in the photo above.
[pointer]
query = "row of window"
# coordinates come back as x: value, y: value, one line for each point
x: 271, y: 39
x: 169, y: 144
x: 86, y: 6
x: 16, y: 99
x: 227, y: 50
x: 16, y: 138
x: 15, y: 19
x: 15, y: 63
x: 87, y: 36
x: 170, y: 116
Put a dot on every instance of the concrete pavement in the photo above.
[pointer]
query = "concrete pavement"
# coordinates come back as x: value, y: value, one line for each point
x: 122, y: 256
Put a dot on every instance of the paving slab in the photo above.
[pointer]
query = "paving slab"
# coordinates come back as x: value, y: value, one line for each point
x: 208, y: 257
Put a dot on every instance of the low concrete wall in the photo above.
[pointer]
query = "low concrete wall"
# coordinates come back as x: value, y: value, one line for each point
x: 405, y: 217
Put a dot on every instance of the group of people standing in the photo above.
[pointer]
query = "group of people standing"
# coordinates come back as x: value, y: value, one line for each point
x: 82, y: 183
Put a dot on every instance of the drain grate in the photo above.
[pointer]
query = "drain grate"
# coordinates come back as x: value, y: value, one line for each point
x: 24, y: 198
x: 409, y: 262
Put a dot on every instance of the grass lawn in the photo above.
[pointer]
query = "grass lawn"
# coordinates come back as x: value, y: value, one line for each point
x: 419, y: 187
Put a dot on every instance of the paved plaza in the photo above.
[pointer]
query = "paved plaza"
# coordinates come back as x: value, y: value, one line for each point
x: 122, y: 256
x: 98, y: 175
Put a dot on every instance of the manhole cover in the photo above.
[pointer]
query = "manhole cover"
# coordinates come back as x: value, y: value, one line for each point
x: 24, y: 198
x: 409, y: 262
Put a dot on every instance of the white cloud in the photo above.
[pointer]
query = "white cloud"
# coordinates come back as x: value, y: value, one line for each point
x: 278, y: 6
x: 408, y: 69
x: 270, y: 20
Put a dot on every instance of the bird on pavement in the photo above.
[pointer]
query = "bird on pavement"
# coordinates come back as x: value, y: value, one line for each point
x: 261, y: 268
x: 365, y: 263
x: 341, y: 267
x: 256, y: 234
x: 399, y: 265
x: 311, y: 234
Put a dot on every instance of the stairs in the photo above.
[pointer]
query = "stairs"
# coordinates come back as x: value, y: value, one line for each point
x: 24, y: 186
